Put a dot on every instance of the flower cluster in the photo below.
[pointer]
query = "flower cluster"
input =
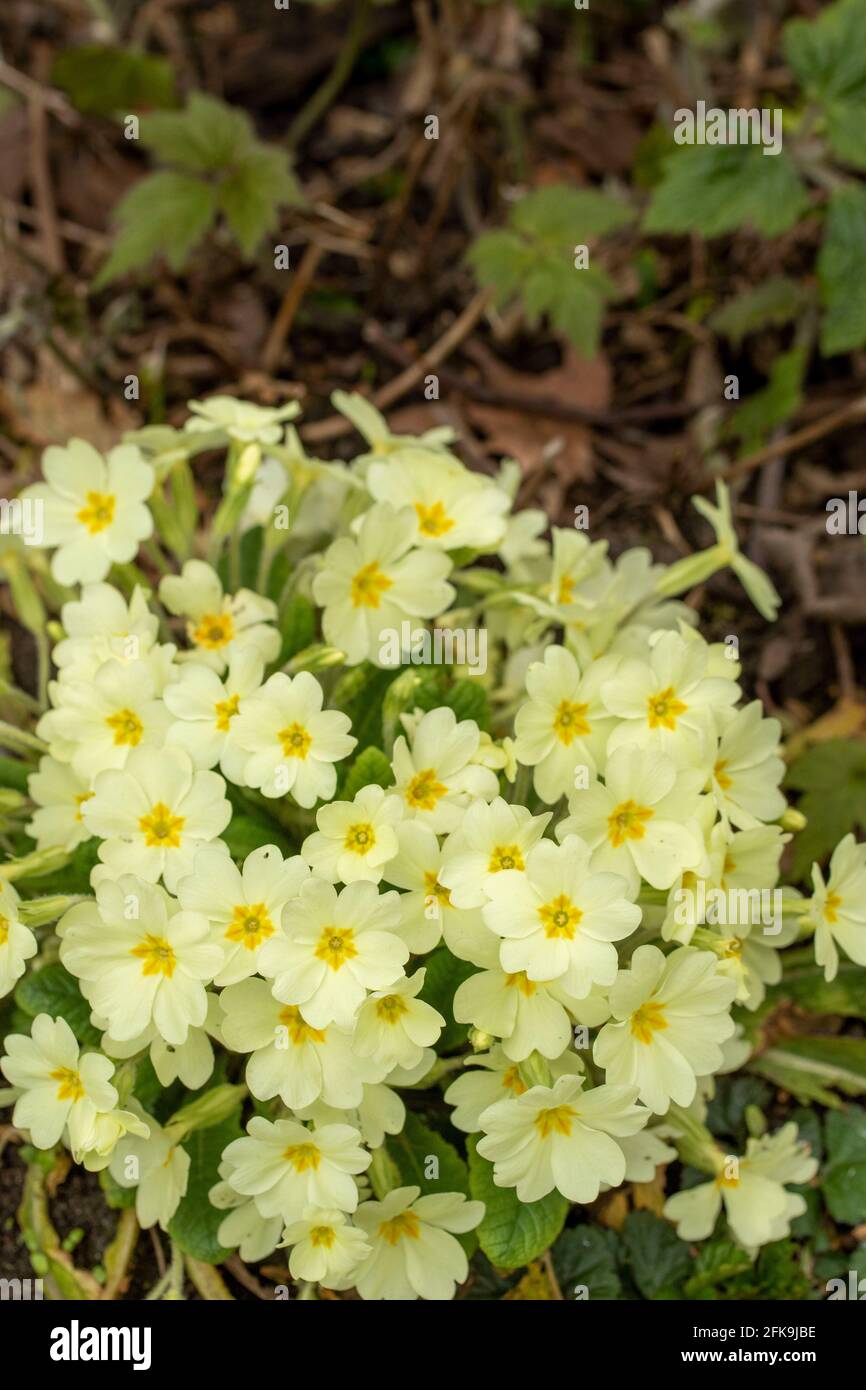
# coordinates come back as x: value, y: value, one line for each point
x: 582, y: 891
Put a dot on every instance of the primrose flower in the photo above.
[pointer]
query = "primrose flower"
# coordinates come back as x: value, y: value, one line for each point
x: 287, y: 1167
x: 17, y: 942
x: 414, y: 1254
x: 561, y: 1137
x: 491, y: 837
x: 326, y: 1248
x: 93, y: 508
x: 757, y: 1205
x: 59, y: 794
x: 838, y: 907
x: 220, y: 625
x: 372, y: 425
x: 99, y: 721
x: 370, y: 584
x: 559, y: 920
x: 242, y: 421
x: 157, y: 1166
x: 205, y: 706
x: 355, y: 839
x: 494, y: 1076
x: 450, y: 506
x: 140, y: 959
x: 747, y: 768
x: 155, y: 815
x: 394, y: 1026
x: 243, y: 906
x: 62, y: 1090
x: 564, y: 724
x: 291, y: 743
x: 670, y: 1016
x: 101, y: 624
x: 438, y: 777
x: 333, y: 948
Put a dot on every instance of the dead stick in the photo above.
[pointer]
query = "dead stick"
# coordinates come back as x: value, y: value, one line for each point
x: 808, y: 435
x: 282, y: 324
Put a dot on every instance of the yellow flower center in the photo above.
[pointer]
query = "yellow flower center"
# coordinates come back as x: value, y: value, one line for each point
x: 664, y: 709
x: 565, y: 590
x: 4, y: 929
x: 724, y: 781
x: 69, y: 1084
x: 569, y: 722
x: 322, y: 1235
x: 627, y: 821
x: 295, y: 741
x: 732, y: 948
x: 156, y: 955
x: 648, y: 1019
x: 161, y: 828
x: 832, y: 903
x: 433, y: 520
x: 250, y: 925
x: 391, y: 1008
x: 406, y: 1225
x: 434, y: 889
x: 519, y: 980
x: 98, y: 513
x: 303, y: 1157
x: 226, y: 711
x: 424, y: 790
x: 360, y: 838
x: 512, y: 1081
x: 79, y: 801
x: 299, y: 1031
x: 336, y: 945
x: 560, y: 918
x: 556, y: 1120
x: 214, y: 630
x: 722, y: 1180
x: 505, y: 857
x: 368, y: 586
x: 127, y: 728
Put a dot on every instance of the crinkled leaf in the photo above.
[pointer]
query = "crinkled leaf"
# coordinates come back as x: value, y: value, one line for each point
x: 102, y: 81
x: 844, y: 1180
x: 412, y: 1150
x: 840, y: 272
x: 833, y: 777
x: 206, y: 136
x: 371, y: 766
x: 774, y: 302
x: 828, y: 55
x: 659, y: 1259
x: 586, y: 1257
x: 165, y: 214
x: 195, y: 1223
x: 52, y: 990
x: 252, y: 194
x: 774, y: 404
x: 513, y: 1232
x: 714, y: 189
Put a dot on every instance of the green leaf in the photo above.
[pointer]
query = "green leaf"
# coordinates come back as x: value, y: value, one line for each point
x: 253, y: 193
x: 844, y: 1179
x: 726, y: 1112
x: 52, y: 990
x: 774, y: 404
x: 412, y: 1149
x: 774, y: 302
x: 14, y: 773
x: 810, y: 1067
x: 246, y: 833
x: 564, y: 217
x: 828, y: 56
x: 501, y: 261
x: 805, y: 986
x: 718, y: 1261
x: 833, y: 777
x: 513, y: 1232
x: 116, y: 1196
x: 196, y: 1222
x: 714, y: 189
x: 587, y: 1255
x: 164, y: 214
x: 297, y: 626
x: 361, y: 694
x: 205, y: 137
x: 840, y: 271
x: 445, y: 973
x: 659, y: 1259
x: 104, y: 81
x: 371, y: 766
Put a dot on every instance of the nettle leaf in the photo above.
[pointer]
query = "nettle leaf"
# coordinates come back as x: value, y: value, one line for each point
x: 828, y: 55
x: 52, y: 990
x: 513, y: 1232
x: 659, y: 1259
x: 414, y: 1147
x: 774, y: 404
x: 840, y: 272
x: 775, y: 302
x: 103, y: 81
x: 205, y: 137
x: 844, y: 1181
x: 587, y: 1256
x: 714, y: 189
x: 815, y: 1068
x: 369, y: 766
x: 535, y: 259
x: 165, y: 214
x: 833, y: 777
x: 195, y: 1223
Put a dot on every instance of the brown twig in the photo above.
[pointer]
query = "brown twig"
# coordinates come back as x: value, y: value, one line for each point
x: 808, y: 435
x: 236, y: 1267
x: 282, y: 324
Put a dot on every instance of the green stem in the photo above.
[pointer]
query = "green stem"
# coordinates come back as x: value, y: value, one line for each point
x: 326, y: 94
